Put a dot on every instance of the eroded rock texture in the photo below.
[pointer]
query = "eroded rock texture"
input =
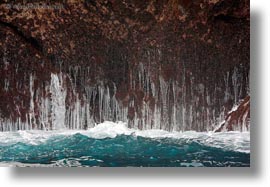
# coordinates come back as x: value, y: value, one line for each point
x: 166, y: 64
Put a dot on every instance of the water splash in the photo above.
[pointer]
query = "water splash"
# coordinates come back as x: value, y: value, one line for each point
x: 153, y: 97
x: 113, y: 144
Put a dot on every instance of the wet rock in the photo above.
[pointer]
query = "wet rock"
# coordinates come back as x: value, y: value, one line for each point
x: 170, y: 64
x: 238, y: 119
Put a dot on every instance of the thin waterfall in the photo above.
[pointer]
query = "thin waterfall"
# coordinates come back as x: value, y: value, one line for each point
x: 153, y: 102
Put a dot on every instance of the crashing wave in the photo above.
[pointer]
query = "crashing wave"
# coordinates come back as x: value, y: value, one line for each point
x: 234, y: 141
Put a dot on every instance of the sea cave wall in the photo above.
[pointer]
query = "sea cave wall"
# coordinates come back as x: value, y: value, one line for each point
x: 176, y: 65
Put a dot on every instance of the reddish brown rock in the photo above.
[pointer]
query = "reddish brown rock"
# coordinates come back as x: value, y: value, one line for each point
x: 193, y: 53
x: 237, y: 119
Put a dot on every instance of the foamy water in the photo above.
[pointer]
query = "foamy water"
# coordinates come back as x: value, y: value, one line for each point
x: 113, y: 144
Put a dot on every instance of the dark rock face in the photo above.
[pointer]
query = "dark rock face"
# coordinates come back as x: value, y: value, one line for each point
x: 238, y: 118
x: 169, y: 64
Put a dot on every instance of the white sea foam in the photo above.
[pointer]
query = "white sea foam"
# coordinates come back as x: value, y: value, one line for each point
x: 235, y: 141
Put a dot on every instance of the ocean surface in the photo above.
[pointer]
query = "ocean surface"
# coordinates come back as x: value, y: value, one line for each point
x: 114, y: 145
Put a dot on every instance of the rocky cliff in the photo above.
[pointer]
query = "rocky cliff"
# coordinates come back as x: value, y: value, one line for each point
x: 167, y: 64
